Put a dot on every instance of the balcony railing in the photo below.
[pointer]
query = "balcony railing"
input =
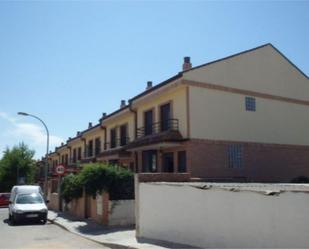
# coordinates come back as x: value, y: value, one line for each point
x: 158, y: 127
x: 118, y: 142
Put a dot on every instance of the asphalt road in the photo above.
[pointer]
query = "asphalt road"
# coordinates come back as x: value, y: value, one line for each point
x: 37, y: 236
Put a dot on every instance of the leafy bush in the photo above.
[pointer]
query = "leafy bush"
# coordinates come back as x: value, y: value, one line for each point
x: 122, y: 186
x: 300, y: 179
x: 96, y: 177
x: 71, y: 187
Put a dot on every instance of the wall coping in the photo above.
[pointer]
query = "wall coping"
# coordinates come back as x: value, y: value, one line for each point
x: 266, y: 189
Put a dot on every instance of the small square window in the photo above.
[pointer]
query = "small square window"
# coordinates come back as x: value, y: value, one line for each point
x: 250, y: 104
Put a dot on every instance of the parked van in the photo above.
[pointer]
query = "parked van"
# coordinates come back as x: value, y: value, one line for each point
x: 24, y: 189
x: 27, y: 202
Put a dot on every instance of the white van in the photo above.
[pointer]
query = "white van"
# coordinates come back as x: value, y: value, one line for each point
x: 27, y: 202
x: 24, y: 189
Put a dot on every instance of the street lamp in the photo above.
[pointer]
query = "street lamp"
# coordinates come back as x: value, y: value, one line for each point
x: 47, y: 148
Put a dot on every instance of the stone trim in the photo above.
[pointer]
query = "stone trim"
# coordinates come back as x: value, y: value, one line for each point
x: 244, y: 92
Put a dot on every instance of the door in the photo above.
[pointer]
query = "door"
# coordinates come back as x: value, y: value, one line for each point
x: 149, y: 161
x: 148, y: 122
x: 123, y: 135
x: 165, y: 116
x: 113, y: 138
x: 168, y: 162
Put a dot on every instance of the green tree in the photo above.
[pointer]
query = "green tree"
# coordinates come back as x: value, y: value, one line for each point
x: 15, y: 164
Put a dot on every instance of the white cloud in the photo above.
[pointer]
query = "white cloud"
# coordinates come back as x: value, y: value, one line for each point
x: 7, y: 117
x: 33, y: 134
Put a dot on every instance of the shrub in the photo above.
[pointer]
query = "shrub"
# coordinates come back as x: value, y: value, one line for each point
x: 71, y: 187
x: 96, y: 177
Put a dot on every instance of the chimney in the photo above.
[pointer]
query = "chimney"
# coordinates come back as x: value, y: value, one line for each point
x: 69, y: 138
x: 62, y: 144
x: 149, y: 85
x: 186, y: 64
x: 122, y: 103
x: 104, y: 114
x: 78, y: 133
x: 89, y: 125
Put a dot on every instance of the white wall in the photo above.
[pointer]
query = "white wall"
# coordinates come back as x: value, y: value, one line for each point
x: 222, y: 116
x: 220, y: 218
x: 121, y: 212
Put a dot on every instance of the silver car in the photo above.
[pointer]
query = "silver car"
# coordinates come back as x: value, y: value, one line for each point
x: 28, y: 206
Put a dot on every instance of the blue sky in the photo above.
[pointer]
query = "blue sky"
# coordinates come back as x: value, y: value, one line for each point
x: 67, y: 62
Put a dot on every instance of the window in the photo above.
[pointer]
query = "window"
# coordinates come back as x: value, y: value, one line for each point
x: 90, y: 148
x: 97, y: 146
x: 74, y: 155
x: 165, y: 116
x: 62, y: 159
x: 79, y: 153
x: 148, y: 122
x: 123, y: 135
x: 149, y: 160
x: 168, y: 162
x: 113, y: 138
x: 250, y: 104
x: 235, y: 156
x: 182, y: 161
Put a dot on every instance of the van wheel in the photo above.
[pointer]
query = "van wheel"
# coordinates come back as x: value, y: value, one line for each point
x: 13, y: 221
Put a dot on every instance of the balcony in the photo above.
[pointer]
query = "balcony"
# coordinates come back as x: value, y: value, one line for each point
x: 158, y: 127
x: 156, y: 133
x: 116, y: 147
x: 116, y: 143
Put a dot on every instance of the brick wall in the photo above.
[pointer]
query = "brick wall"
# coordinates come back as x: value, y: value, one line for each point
x: 77, y: 207
x: 261, y: 162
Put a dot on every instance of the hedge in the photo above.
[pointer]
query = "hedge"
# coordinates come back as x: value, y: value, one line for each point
x: 95, y: 178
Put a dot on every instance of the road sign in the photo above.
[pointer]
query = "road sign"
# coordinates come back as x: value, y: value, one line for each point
x: 60, y: 170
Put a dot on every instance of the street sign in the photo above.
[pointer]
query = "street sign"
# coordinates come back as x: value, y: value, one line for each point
x: 60, y: 170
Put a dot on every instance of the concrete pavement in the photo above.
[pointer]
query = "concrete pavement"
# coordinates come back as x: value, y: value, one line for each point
x: 115, y: 237
x: 35, y: 235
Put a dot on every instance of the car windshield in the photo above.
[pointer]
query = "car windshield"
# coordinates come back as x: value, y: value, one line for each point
x: 29, y: 199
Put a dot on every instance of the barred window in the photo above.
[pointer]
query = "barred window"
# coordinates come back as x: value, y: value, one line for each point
x: 250, y: 104
x: 235, y: 156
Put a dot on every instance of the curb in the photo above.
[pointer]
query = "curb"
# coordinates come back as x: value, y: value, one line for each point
x: 111, y: 245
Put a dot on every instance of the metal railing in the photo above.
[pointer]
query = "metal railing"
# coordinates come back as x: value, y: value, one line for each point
x: 158, y: 127
x: 118, y: 142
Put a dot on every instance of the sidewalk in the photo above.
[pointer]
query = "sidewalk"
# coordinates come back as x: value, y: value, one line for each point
x: 114, y: 237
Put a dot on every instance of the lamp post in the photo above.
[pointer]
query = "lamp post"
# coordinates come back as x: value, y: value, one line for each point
x: 47, y: 148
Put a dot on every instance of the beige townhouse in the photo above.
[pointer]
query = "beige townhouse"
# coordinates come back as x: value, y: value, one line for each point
x: 241, y: 118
